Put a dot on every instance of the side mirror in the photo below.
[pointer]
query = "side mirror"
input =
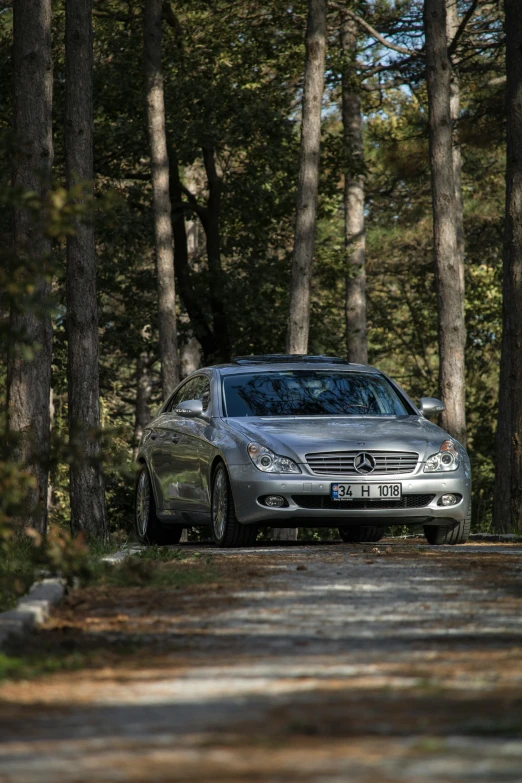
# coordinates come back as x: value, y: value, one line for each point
x: 189, y: 409
x: 431, y: 405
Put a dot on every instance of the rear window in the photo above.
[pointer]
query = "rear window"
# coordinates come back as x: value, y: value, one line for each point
x: 311, y: 393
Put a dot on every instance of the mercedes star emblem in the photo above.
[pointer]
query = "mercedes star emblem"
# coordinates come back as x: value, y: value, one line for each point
x: 364, y: 462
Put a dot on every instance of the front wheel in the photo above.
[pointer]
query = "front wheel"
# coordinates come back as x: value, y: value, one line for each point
x: 449, y: 534
x: 227, y: 531
x: 357, y: 534
x: 148, y: 527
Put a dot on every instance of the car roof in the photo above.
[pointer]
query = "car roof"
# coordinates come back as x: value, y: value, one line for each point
x: 274, y: 362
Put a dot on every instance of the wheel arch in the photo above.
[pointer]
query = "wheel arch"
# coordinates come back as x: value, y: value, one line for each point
x: 141, y: 462
x: 213, y: 467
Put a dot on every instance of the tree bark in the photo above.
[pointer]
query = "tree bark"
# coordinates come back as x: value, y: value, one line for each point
x: 190, y: 356
x: 452, y: 25
x: 197, y: 317
x: 449, y: 280
x: 29, y: 380
x: 88, y: 513
x: 306, y: 216
x: 142, y: 414
x: 354, y: 236
x: 161, y: 197
x: 210, y: 221
x: 503, y: 457
x: 284, y: 534
x: 509, y: 452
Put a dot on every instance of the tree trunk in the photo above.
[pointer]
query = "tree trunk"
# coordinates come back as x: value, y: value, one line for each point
x: 284, y: 534
x: 88, y: 512
x: 509, y: 454
x: 450, y: 288
x: 305, y: 224
x: 197, y: 317
x: 142, y: 414
x: 29, y: 380
x: 161, y: 198
x: 452, y: 25
x: 216, y: 281
x: 356, y: 333
x: 190, y: 356
x: 502, y: 488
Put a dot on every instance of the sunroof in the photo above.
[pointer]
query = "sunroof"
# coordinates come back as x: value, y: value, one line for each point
x: 271, y: 358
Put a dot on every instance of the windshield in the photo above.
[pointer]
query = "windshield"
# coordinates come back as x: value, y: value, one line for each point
x: 311, y: 393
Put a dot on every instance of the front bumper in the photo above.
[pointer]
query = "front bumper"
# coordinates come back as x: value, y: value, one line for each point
x: 249, y: 484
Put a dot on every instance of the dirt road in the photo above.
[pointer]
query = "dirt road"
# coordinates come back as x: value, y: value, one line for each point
x: 327, y: 663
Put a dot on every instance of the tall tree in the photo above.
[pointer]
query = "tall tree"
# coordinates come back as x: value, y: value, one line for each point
x: 29, y: 379
x: 161, y: 198
x: 306, y: 216
x: 452, y: 27
x: 449, y: 278
x: 509, y: 449
x: 87, y: 488
x: 354, y: 236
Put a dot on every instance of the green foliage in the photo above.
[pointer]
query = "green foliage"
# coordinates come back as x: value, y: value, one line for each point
x: 17, y: 568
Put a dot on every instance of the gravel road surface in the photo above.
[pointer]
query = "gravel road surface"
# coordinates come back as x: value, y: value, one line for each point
x: 324, y: 663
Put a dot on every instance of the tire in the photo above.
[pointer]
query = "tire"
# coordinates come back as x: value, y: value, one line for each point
x: 226, y: 530
x: 449, y: 534
x: 358, y: 534
x: 148, y: 527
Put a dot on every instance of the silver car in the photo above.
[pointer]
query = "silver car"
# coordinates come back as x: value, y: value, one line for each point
x: 298, y: 441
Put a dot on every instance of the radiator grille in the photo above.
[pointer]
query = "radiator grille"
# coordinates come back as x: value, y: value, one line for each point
x: 326, y: 502
x: 341, y: 463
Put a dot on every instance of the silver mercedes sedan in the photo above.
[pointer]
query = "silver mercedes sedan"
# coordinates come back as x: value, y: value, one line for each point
x: 298, y: 441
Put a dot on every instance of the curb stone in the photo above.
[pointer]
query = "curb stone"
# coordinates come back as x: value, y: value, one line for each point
x: 32, y: 609
x: 507, y: 538
x: 491, y: 538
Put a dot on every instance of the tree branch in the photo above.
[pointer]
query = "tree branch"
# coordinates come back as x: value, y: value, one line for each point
x: 384, y: 41
x: 462, y: 26
x: 172, y: 20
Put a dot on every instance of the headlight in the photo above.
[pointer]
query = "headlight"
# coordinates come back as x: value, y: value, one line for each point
x: 268, y: 462
x: 448, y: 458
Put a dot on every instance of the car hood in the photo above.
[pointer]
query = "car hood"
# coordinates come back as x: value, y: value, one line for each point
x: 297, y: 436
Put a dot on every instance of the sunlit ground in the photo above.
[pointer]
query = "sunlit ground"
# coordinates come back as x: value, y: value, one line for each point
x: 388, y: 662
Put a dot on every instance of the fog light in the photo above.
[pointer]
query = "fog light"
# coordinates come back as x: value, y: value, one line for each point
x: 448, y: 500
x: 274, y: 501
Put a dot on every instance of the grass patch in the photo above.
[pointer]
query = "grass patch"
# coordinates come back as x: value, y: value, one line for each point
x: 26, y: 667
x: 59, y: 655
x: 155, y: 567
x: 163, y: 554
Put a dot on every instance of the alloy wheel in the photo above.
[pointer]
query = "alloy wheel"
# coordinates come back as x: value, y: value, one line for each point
x: 142, y: 504
x: 220, y: 503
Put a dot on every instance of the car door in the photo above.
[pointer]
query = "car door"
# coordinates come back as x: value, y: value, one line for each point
x: 176, y: 453
x: 206, y: 448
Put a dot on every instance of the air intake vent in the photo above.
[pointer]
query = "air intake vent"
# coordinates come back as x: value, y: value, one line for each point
x: 326, y: 502
x: 341, y: 463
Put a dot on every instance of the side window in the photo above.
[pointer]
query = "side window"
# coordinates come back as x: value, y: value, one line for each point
x: 197, y: 388
x: 204, y: 391
x: 186, y: 392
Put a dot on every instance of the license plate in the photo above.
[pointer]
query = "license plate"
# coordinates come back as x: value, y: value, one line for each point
x: 347, y: 492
